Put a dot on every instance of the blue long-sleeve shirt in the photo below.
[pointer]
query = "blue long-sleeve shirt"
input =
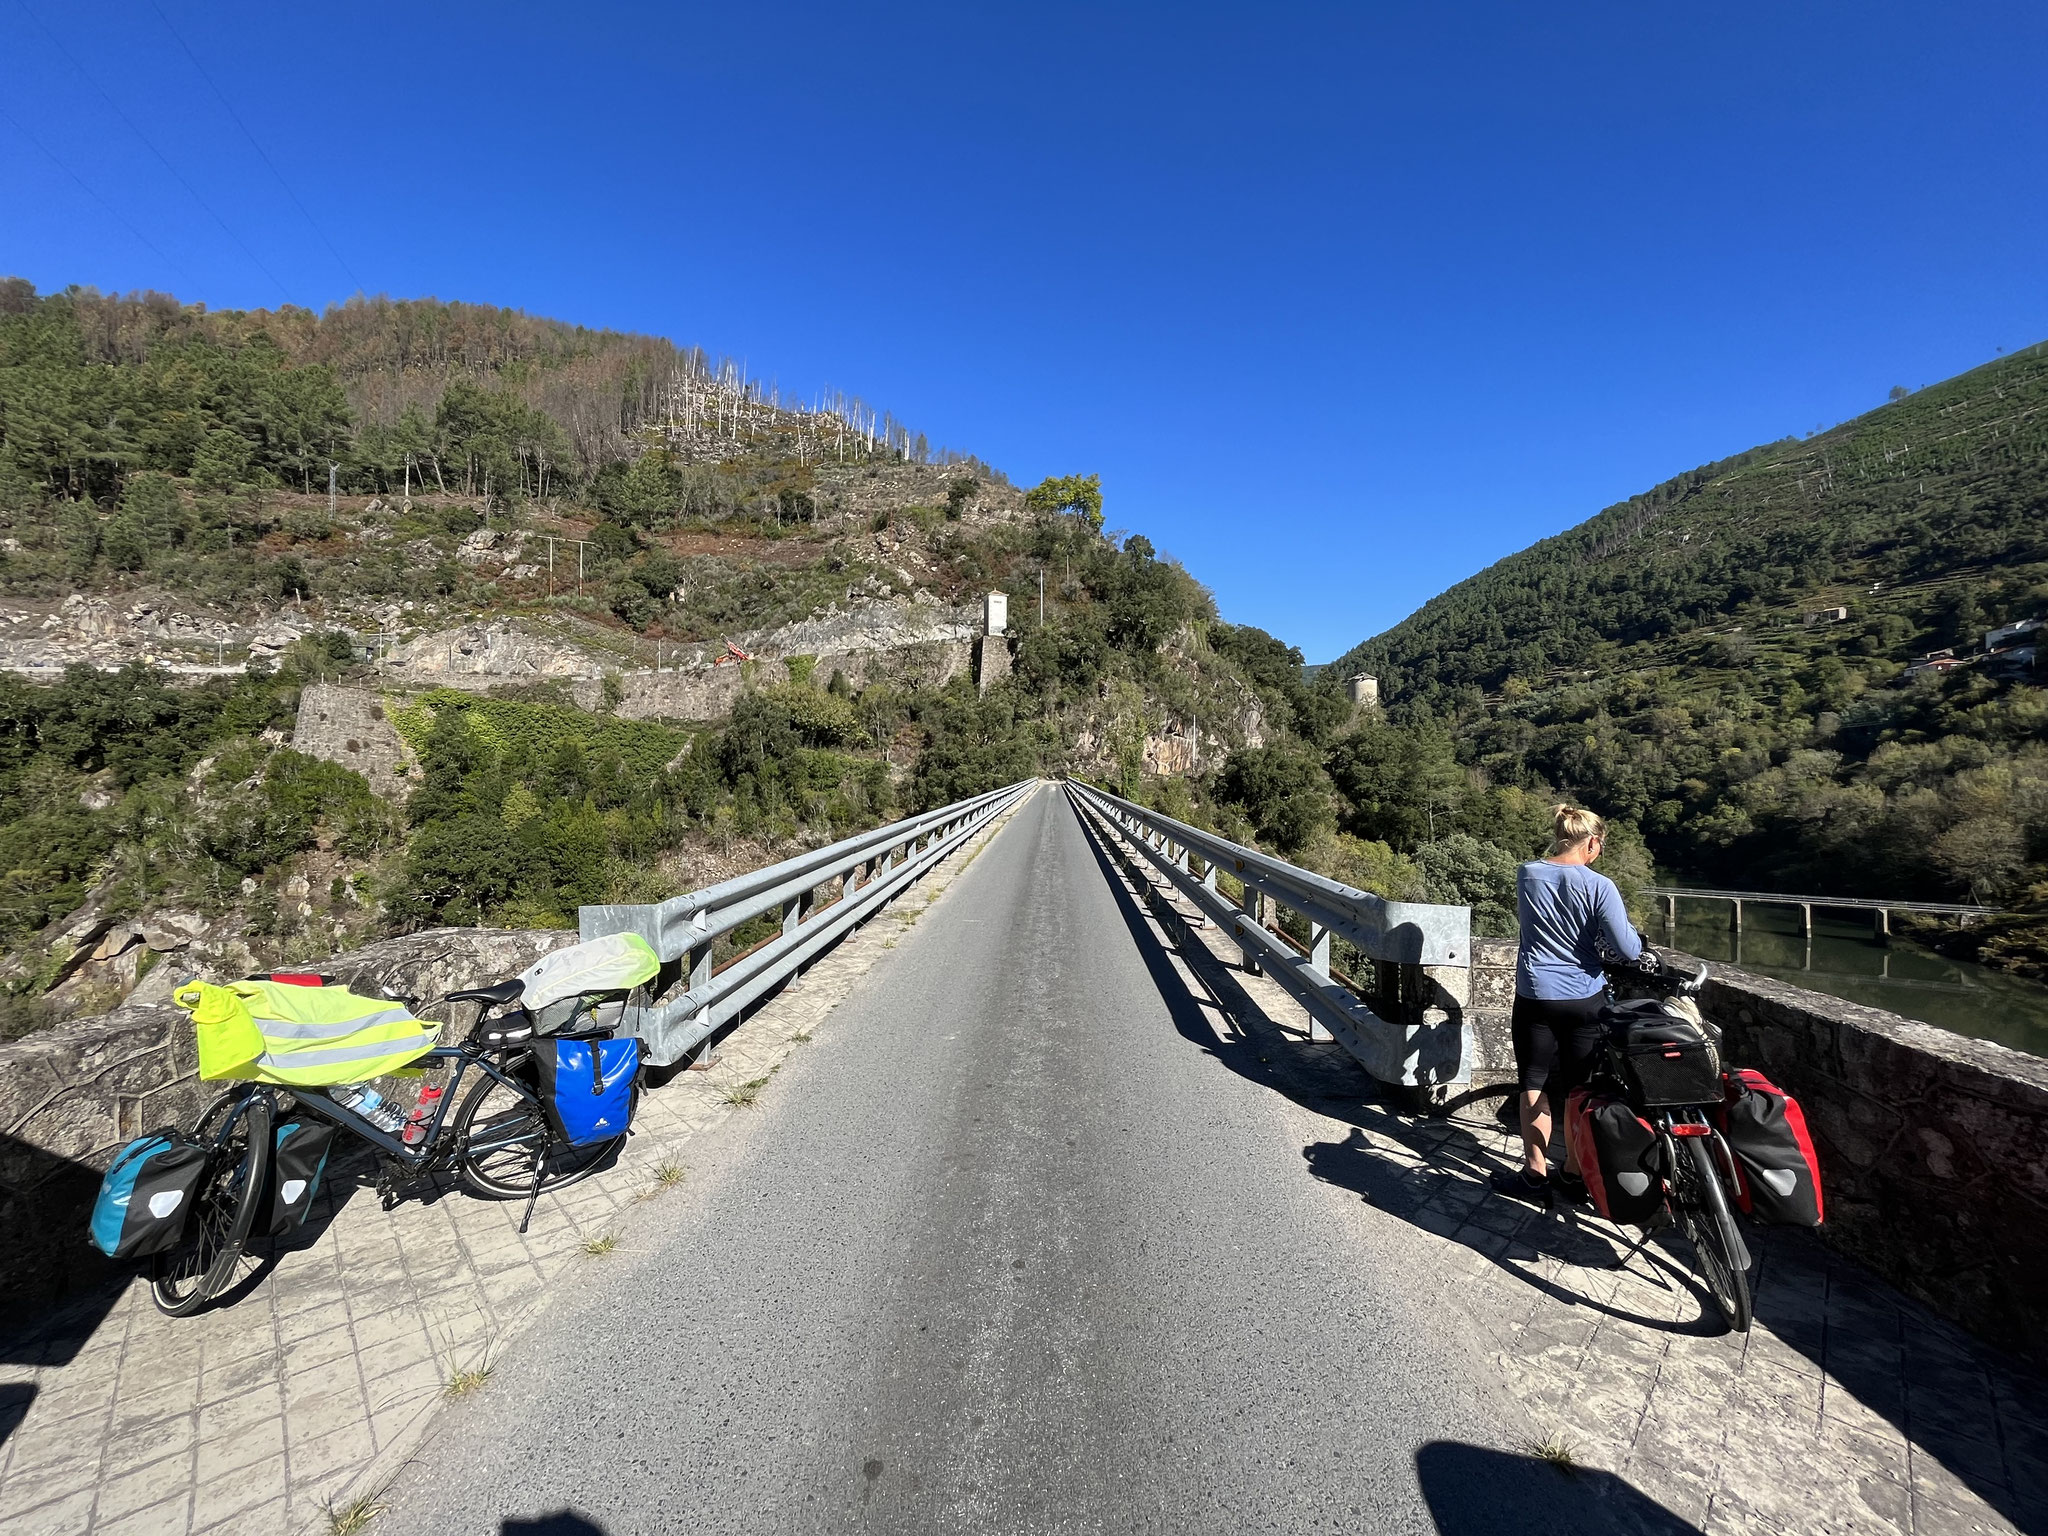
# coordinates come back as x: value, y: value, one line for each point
x: 1566, y: 911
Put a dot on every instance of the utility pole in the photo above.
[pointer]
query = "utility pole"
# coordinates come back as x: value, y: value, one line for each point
x: 331, y: 494
x: 1041, y: 597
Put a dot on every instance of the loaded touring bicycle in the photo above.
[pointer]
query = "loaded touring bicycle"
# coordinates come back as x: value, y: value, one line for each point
x: 1664, y: 1134
x: 537, y: 1096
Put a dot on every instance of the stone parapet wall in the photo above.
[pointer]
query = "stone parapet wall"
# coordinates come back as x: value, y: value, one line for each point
x: 71, y: 1096
x: 1933, y: 1146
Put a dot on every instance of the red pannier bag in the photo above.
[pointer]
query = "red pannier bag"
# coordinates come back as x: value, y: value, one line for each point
x: 1777, y: 1174
x: 1616, y: 1152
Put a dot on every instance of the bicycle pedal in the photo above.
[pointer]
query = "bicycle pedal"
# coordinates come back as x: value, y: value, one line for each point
x: 393, y: 1180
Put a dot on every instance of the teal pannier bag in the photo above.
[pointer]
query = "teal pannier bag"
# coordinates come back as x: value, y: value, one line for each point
x: 146, y: 1195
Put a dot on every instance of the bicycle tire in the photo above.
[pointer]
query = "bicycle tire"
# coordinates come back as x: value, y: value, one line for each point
x: 503, y: 1169
x: 1716, y: 1240
x: 186, y: 1278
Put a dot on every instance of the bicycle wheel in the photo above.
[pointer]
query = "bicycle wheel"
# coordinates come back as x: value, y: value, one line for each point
x: 1723, y: 1256
x: 503, y: 1129
x: 187, y: 1277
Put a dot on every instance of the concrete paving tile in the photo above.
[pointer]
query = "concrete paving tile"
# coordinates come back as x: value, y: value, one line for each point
x: 164, y: 1520
x: 148, y: 1444
x: 241, y: 1376
x: 1877, y: 1455
x: 270, y: 1519
x: 1933, y: 1518
x: 409, y: 1383
x: 316, y: 1457
x: 46, y: 1467
x: 1979, y: 1463
x: 257, y: 1442
x: 232, y: 1415
x: 68, y: 1514
x: 381, y: 1336
x: 329, y: 1412
x: 318, y: 1349
x: 168, y: 1483
x: 137, y: 1410
x: 1954, y: 1409
x: 238, y: 1492
x: 1937, y: 1484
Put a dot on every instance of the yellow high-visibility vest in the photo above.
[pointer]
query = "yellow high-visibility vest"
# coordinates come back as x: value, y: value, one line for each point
x: 301, y: 1037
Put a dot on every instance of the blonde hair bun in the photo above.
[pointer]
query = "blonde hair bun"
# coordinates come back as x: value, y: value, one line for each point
x: 1572, y: 825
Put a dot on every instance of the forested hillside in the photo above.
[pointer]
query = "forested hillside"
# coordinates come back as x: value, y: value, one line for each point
x: 156, y: 458
x: 1679, y: 660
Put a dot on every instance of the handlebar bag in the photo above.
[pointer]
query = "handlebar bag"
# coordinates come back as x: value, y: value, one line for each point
x: 1664, y: 1055
x: 1777, y: 1173
x: 146, y: 1195
x: 587, y: 1085
x: 1616, y: 1150
x: 300, y: 1157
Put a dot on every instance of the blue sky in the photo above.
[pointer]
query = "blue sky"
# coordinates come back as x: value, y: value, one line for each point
x: 1343, y: 302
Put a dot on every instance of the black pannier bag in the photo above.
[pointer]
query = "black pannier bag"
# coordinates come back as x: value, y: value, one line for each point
x: 1664, y: 1052
x: 295, y: 1168
x: 1618, y: 1156
x: 1777, y: 1171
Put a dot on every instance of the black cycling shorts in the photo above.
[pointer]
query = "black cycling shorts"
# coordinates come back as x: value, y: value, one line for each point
x: 1557, y: 1040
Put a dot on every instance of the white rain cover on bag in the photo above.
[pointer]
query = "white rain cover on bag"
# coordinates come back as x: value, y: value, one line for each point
x: 618, y: 962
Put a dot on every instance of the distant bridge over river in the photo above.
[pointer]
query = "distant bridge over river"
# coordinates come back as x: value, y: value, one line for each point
x: 1879, y: 909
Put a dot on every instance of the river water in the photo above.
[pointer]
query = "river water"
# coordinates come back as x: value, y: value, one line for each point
x: 1844, y: 959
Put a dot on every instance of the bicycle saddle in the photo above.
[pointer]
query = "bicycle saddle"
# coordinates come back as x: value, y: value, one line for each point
x: 504, y: 992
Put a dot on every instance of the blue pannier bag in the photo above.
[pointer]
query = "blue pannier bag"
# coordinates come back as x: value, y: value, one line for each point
x: 295, y: 1168
x: 588, y: 1086
x: 146, y: 1195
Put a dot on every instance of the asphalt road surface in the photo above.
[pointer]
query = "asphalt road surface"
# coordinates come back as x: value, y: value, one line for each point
x: 1013, y: 1247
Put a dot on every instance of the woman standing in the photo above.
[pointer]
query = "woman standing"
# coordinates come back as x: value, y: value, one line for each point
x: 1568, y: 913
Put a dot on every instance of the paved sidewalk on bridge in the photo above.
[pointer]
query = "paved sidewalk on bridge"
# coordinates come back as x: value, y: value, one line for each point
x: 307, y: 1394
x: 1848, y: 1408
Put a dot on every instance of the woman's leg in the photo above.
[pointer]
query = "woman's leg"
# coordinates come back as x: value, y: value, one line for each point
x: 1535, y: 1062
x: 1535, y: 1107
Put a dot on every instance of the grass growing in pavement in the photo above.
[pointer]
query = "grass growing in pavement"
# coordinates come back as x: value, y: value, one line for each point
x: 353, y: 1516
x: 598, y: 1247
x: 462, y: 1383
x: 1560, y: 1452
x: 802, y: 1037
x: 669, y: 1174
x: 745, y: 1095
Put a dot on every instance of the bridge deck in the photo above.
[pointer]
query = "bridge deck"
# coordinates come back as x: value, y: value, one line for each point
x: 1013, y: 1247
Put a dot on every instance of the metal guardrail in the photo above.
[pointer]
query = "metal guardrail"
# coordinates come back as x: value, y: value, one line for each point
x: 873, y: 867
x: 1415, y: 1031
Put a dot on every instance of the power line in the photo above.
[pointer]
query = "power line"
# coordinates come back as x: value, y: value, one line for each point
x: 221, y: 96
x: 111, y: 211
x: 192, y: 191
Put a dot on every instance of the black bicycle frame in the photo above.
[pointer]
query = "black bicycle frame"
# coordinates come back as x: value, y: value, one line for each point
x: 429, y: 1152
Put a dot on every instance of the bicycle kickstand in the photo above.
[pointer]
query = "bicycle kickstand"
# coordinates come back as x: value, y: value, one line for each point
x: 540, y: 1172
x: 1635, y: 1248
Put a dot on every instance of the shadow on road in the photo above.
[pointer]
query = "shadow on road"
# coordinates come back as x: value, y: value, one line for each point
x: 1926, y: 1378
x: 1435, y: 1174
x: 15, y: 1396
x: 1472, y: 1491
x: 563, y: 1522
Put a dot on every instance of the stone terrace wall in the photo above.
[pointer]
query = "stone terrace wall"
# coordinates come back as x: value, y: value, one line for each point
x: 1933, y: 1146
x: 71, y: 1096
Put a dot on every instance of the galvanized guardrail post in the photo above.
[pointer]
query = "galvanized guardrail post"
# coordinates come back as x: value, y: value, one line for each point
x: 1412, y: 1029
x: 694, y: 997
